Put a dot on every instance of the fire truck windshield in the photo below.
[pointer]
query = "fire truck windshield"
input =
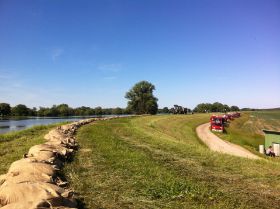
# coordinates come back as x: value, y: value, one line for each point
x: 218, y: 121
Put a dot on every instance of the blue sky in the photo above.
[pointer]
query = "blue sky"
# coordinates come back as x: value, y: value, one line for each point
x: 91, y: 52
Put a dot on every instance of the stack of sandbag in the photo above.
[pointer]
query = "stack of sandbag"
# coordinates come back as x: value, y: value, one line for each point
x: 34, y: 182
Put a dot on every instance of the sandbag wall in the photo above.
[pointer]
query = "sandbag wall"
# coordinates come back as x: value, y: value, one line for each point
x: 34, y: 181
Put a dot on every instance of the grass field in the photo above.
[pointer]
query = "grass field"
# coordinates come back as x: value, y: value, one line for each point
x: 15, y: 144
x: 247, y: 130
x: 158, y: 162
x: 265, y: 120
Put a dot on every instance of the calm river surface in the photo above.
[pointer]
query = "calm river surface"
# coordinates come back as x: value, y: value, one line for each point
x: 7, y: 125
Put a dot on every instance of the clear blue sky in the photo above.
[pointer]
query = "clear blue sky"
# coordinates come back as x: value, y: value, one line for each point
x: 91, y: 52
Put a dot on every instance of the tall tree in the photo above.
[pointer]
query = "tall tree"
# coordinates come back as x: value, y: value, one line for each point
x: 165, y: 110
x: 203, y: 107
x: 20, y: 110
x: 5, y: 109
x: 98, y: 111
x: 217, y: 107
x: 141, y: 98
x: 234, y: 108
x: 226, y: 108
x: 64, y: 110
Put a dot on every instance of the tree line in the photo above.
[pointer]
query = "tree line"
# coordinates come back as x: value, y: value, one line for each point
x: 200, y: 108
x: 215, y: 107
x: 140, y: 101
x: 61, y: 110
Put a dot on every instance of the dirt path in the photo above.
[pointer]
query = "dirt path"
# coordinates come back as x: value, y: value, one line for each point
x: 219, y: 145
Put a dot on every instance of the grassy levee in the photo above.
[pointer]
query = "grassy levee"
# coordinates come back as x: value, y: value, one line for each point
x: 158, y: 162
x: 265, y: 120
x: 247, y: 130
x: 15, y: 144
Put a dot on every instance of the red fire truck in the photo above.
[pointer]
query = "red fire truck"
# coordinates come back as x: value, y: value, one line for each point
x: 217, y: 123
x: 236, y: 114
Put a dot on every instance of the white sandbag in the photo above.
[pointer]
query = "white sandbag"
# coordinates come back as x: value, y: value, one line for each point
x: 34, y: 167
x: 2, y: 179
x: 27, y: 176
x: 32, y: 182
x: 37, y: 193
x: 41, y: 154
x: 54, y: 134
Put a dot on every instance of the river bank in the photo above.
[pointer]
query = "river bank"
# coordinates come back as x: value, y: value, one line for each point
x: 35, y: 181
x: 19, y: 123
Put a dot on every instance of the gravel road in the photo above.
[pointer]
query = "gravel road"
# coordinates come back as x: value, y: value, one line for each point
x: 219, y: 145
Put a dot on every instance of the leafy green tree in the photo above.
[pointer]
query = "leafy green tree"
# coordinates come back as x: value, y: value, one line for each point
x: 107, y: 111
x: 141, y: 98
x: 83, y: 111
x: 127, y: 111
x: 217, y: 107
x: 42, y: 111
x: 32, y: 112
x: 20, y: 110
x: 165, y: 110
x: 234, y: 108
x: 64, y: 110
x: 98, y: 111
x: 117, y: 111
x: 226, y: 108
x: 203, y: 107
x: 53, y: 111
x: 5, y: 109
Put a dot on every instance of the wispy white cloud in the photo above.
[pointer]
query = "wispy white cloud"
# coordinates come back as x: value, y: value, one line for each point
x: 9, y: 79
x: 56, y: 53
x: 114, y: 67
x: 110, y: 78
x: 6, y: 74
x: 2, y: 77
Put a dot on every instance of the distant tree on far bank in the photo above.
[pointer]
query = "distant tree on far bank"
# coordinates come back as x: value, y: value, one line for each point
x: 203, y: 107
x: 164, y: 110
x: 20, y: 110
x: 98, y: 111
x: 5, y: 109
x: 117, y: 111
x: 177, y: 109
x: 249, y: 109
x: 64, y: 110
x: 215, y: 107
x: 234, y: 108
x: 141, y: 98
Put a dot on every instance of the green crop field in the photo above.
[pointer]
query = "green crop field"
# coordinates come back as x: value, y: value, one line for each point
x: 158, y: 162
x: 247, y: 130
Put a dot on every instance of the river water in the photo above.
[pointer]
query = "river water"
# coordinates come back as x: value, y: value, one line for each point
x: 7, y: 125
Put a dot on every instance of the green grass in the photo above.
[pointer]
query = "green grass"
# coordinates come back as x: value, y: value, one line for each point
x: 268, y: 115
x: 14, y: 145
x: 158, y: 162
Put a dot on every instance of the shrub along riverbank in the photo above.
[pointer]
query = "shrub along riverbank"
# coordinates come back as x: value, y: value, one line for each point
x: 158, y: 162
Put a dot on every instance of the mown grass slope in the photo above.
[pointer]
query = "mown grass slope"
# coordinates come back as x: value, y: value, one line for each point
x: 265, y: 120
x: 15, y: 144
x: 158, y: 162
